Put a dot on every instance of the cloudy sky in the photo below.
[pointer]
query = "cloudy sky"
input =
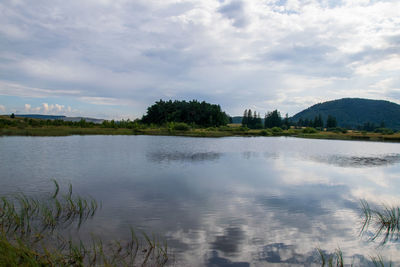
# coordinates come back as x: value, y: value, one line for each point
x: 113, y: 58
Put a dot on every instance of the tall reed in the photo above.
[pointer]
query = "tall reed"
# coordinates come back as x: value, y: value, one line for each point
x: 32, y: 233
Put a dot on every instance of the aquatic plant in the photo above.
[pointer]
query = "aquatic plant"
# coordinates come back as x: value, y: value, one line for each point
x: 32, y: 233
x: 336, y: 259
x: 383, y: 222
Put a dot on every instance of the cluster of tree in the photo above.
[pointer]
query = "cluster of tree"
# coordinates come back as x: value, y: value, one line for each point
x: 41, y: 123
x: 271, y: 119
x: 318, y: 122
x: 274, y: 119
x: 371, y: 127
x: 251, y: 120
x: 126, y: 124
x: 192, y: 112
x: 19, y: 122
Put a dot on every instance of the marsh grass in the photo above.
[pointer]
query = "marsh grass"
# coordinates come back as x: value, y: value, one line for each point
x: 330, y: 260
x: 383, y: 222
x: 380, y: 224
x: 179, y: 129
x: 335, y: 259
x: 32, y: 233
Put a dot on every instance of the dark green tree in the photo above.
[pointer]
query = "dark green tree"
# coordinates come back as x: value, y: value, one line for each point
x: 318, y: 122
x: 273, y: 119
x: 12, y: 116
x: 252, y: 120
x: 331, y: 122
x: 300, y: 123
x: 245, y: 118
x: 286, y: 121
x: 192, y: 112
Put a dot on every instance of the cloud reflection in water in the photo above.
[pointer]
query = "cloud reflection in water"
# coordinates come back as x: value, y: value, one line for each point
x: 358, y: 161
x: 218, y: 202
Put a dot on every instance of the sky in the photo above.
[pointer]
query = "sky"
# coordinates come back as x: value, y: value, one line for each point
x: 113, y: 58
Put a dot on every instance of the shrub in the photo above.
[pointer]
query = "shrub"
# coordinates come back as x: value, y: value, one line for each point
x: 181, y: 126
x: 265, y: 133
x: 384, y: 131
x: 211, y: 129
x: 225, y: 128
x: 338, y: 130
x: 276, y: 130
x: 242, y: 129
x: 310, y: 130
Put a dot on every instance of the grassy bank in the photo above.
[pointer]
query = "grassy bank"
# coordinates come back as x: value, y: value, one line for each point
x: 23, y: 127
x: 206, y: 132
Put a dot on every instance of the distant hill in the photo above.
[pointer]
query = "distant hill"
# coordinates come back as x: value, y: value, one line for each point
x: 237, y: 119
x: 355, y: 112
x: 42, y: 117
x: 58, y: 117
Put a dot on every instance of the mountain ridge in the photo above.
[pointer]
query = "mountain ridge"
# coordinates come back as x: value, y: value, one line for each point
x: 354, y: 112
x: 58, y: 117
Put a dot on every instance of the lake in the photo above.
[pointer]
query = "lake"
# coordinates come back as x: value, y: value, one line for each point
x: 234, y: 201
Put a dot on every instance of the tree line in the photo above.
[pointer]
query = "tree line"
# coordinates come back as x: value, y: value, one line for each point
x: 272, y: 119
x: 192, y: 112
x: 29, y: 122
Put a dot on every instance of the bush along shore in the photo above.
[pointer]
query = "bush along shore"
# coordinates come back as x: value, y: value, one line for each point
x: 33, y: 232
x: 37, y: 127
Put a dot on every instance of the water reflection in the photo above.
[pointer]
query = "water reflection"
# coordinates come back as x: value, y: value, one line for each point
x: 183, y: 156
x: 216, y: 261
x: 218, y: 202
x: 358, y: 161
x: 281, y: 253
x: 230, y: 241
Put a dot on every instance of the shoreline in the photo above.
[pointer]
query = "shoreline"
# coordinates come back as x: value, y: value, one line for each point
x: 69, y: 131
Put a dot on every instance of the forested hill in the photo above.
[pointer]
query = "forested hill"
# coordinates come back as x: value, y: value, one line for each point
x: 355, y: 112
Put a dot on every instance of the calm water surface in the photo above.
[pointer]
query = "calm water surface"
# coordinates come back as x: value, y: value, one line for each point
x: 219, y: 201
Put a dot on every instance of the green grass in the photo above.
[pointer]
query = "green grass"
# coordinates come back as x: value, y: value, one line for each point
x: 22, y: 127
x: 224, y: 131
x: 33, y: 233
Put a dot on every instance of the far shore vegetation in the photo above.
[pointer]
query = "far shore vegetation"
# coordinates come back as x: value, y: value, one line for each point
x: 38, y: 127
x: 197, y: 119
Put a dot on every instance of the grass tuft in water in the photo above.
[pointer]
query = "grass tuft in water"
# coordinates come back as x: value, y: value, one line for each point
x: 384, y: 222
x: 330, y: 260
x: 32, y: 233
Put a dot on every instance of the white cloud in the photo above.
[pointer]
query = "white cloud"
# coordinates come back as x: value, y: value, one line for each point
x: 237, y: 53
x: 105, y: 101
x: 59, y: 108
x: 2, y: 108
x: 30, y: 109
x: 46, y: 107
x: 15, y: 89
x: 27, y: 107
x: 54, y: 109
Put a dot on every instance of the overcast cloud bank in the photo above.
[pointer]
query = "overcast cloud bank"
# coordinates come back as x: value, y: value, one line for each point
x: 112, y: 59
